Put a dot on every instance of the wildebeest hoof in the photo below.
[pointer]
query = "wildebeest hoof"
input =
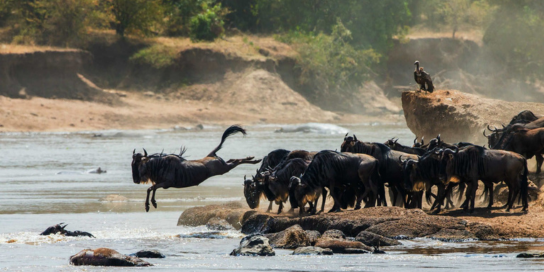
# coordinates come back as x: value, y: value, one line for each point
x: 146, y: 207
x: 357, y: 208
x: 154, y: 204
x: 435, y: 212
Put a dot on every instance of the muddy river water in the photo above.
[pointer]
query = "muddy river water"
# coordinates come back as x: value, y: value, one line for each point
x: 44, y: 181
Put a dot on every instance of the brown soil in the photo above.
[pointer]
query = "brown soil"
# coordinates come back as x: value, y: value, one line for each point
x: 458, y: 116
x: 137, y: 111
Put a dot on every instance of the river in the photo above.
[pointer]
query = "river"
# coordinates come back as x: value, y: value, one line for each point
x: 44, y: 181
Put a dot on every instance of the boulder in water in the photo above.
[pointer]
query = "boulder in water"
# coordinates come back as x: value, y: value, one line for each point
x: 216, y: 223
x: 148, y: 254
x: 254, y: 245
x: 105, y: 257
x: 375, y: 240
x: 310, y: 250
x: 292, y: 237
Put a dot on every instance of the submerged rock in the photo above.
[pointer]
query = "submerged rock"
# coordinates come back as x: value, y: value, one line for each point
x: 531, y: 255
x: 292, y: 237
x: 336, y: 241
x: 311, y: 250
x: 105, y: 257
x: 148, y: 254
x: 216, y: 223
x: 375, y: 240
x: 254, y: 245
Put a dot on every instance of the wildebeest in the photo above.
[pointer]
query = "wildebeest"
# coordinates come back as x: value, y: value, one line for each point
x: 165, y: 171
x: 475, y: 163
x: 348, y: 177
x: 527, y: 142
x: 420, y: 144
x: 59, y: 228
x: 276, y: 183
x: 394, y: 145
x: 423, y: 78
x: 270, y: 161
x: 390, y: 165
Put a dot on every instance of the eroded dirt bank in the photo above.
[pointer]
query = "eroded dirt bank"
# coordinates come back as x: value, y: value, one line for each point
x: 391, y: 222
x: 458, y: 116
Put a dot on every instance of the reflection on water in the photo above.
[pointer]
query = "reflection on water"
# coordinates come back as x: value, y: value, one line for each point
x: 35, y: 197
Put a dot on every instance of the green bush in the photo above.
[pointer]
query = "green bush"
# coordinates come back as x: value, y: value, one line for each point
x: 157, y: 56
x: 208, y: 25
x: 330, y: 59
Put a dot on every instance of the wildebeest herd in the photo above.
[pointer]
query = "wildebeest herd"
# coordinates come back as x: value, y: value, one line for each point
x: 361, y: 171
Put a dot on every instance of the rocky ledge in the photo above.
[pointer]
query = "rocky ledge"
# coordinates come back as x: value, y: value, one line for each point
x: 458, y: 116
x: 371, y: 227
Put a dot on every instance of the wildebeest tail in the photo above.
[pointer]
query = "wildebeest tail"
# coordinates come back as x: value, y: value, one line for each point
x: 348, y: 198
x: 230, y: 131
x: 524, y: 186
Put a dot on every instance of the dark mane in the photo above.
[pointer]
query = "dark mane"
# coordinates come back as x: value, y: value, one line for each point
x: 323, y: 162
x: 295, y: 167
x: 466, y: 159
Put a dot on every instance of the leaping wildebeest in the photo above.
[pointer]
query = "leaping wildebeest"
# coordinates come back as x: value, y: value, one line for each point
x: 165, y: 171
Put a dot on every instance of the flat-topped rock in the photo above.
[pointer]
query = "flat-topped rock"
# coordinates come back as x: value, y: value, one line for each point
x: 458, y: 116
x: 232, y: 212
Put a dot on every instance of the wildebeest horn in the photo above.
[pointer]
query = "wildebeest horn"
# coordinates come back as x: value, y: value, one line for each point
x: 244, y: 177
x: 485, y: 135
x: 503, y: 126
x: 415, y: 140
x: 422, y: 140
x: 438, y: 137
x: 345, y: 137
x: 252, y: 177
x: 495, y: 128
x: 145, y: 152
x: 400, y: 159
x: 354, y: 137
x: 396, y: 140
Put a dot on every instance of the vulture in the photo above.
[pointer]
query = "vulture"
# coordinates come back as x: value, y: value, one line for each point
x: 423, y: 78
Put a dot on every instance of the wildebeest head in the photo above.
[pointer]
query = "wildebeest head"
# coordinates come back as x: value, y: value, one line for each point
x: 409, y: 167
x: 138, y: 167
x: 416, y: 144
x: 58, y: 228
x: 436, y: 142
x: 447, y: 161
x: 391, y: 143
x: 348, y: 144
x: 252, y: 192
x: 294, y: 184
x: 494, y: 137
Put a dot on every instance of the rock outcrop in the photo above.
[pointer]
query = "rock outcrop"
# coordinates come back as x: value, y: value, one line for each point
x: 232, y: 212
x: 254, y: 245
x: 290, y: 238
x: 105, y: 257
x: 458, y: 116
x: 216, y: 223
x: 375, y: 240
x: 389, y: 222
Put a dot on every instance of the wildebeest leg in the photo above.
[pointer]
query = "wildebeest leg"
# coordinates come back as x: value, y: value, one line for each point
x: 539, y: 160
x: 269, y: 207
x: 324, y: 199
x: 147, y: 198
x: 153, y: 202
x: 490, y: 195
x: 473, y: 195
x: 281, y: 207
x: 336, y: 206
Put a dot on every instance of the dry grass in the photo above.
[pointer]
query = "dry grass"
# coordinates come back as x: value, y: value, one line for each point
x: 22, y: 49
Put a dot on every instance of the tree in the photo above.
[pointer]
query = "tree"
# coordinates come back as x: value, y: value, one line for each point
x: 138, y: 16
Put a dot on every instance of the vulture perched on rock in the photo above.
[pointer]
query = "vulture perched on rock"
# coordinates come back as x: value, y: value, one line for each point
x: 423, y: 78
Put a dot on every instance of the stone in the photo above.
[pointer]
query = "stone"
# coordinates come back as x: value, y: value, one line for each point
x: 333, y: 234
x: 232, y: 212
x: 254, y: 245
x: 216, y: 223
x: 292, y: 237
x: 531, y: 255
x: 105, y: 257
x: 343, y: 246
x: 375, y: 240
x: 148, y: 254
x: 311, y: 250
x: 313, y: 235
